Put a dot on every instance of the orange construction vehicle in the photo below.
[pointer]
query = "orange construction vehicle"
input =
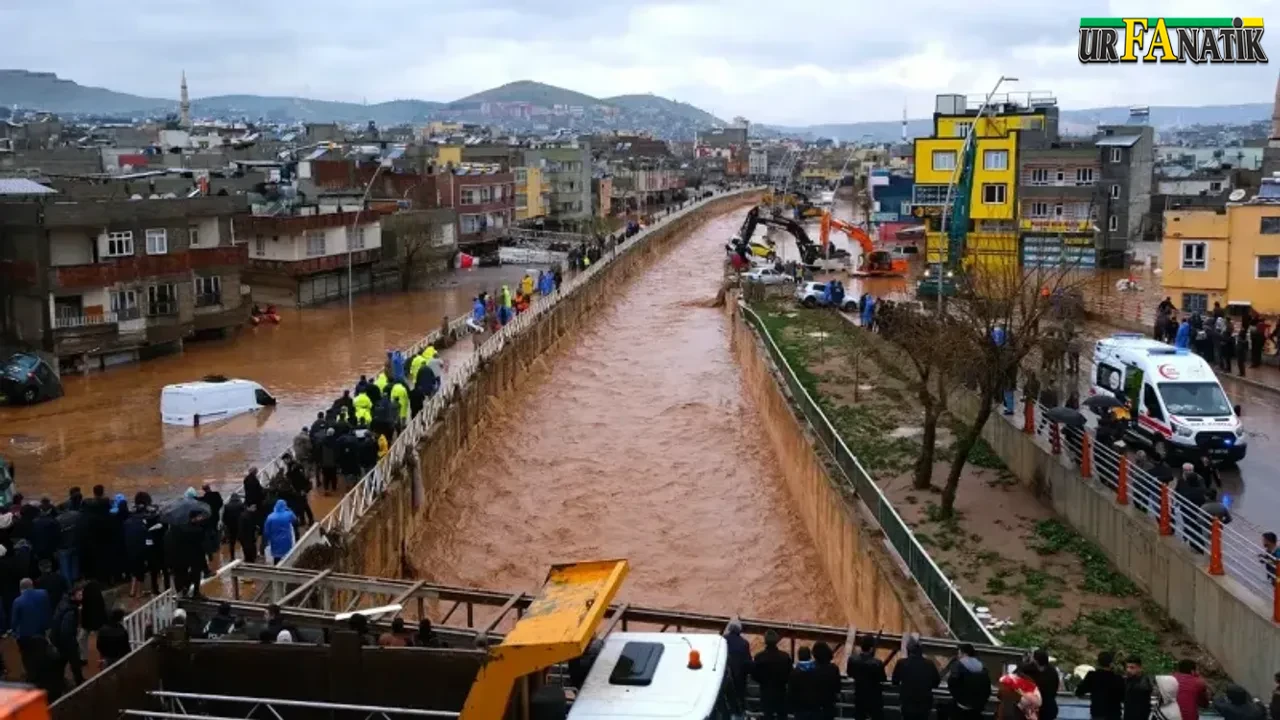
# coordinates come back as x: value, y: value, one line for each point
x: 878, y: 263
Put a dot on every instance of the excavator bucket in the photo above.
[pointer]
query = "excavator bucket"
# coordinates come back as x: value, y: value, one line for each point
x: 556, y: 627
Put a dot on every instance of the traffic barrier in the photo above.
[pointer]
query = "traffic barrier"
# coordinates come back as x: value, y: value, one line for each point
x: 1166, y: 511
x: 1122, y: 481
x: 1086, y: 455
x: 1029, y: 419
x: 1215, y: 548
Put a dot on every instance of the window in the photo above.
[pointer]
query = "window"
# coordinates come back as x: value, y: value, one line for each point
x: 208, y: 291
x: 124, y: 302
x: 470, y: 196
x: 1151, y: 403
x: 963, y: 129
x: 1057, y: 210
x: 1215, y: 186
x: 1116, y: 155
x: 522, y: 176
x: 260, y: 246
x: 1084, y: 176
x: 1040, y: 176
x: 1268, y: 267
x: 1039, y: 209
x: 944, y: 159
x: 120, y: 244
x: 1059, y: 176
x: 1270, y: 225
x: 157, y: 242
x: 1113, y: 224
x: 1115, y: 192
x: 357, y: 238
x: 162, y: 299
x: 315, y: 244
x: 1195, y: 302
x: 469, y: 224
x: 995, y: 160
x: 993, y: 194
x: 193, y: 236
x: 1195, y: 256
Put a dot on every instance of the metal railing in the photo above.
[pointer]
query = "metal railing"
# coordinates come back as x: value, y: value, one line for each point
x: 1227, y: 551
x: 356, y: 502
x: 153, y: 617
x: 941, y: 592
x: 63, y: 321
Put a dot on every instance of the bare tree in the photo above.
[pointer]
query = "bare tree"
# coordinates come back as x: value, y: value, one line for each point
x: 998, y: 317
x: 414, y: 238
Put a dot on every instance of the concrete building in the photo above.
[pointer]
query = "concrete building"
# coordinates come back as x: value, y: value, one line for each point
x: 484, y: 197
x: 98, y: 283
x: 1058, y: 205
x: 1012, y: 120
x: 1228, y: 255
x: 301, y: 259
x: 758, y: 164
x: 727, y: 144
x: 532, y: 195
x: 602, y: 194
x: 566, y: 169
x: 1128, y: 175
x: 891, y: 211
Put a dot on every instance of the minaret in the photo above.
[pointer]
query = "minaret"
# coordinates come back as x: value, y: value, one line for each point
x: 184, y: 105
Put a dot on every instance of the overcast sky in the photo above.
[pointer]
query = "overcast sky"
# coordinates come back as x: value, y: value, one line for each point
x: 793, y: 62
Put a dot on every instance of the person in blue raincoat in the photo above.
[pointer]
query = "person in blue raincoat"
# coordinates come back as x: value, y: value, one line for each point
x: 277, y: 531
x: 397, y: 365
x: 827, y: 294
x: 868, y: 311
x: 477, y: 312
x: 1183, y: 338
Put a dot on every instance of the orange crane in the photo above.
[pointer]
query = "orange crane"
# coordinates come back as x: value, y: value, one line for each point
x: 878, y: 263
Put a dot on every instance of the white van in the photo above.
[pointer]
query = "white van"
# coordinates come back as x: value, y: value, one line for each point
x: 650, y: 676
x: 209, y: 400
x: 1181, y: 409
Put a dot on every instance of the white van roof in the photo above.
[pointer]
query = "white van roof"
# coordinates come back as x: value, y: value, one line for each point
x: 200, y: 386
x: 675, y: 693
x: 1159, y: 361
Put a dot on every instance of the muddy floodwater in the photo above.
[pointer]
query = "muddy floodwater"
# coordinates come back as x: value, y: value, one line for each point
x: 636, y: 439
x: 107, y: 428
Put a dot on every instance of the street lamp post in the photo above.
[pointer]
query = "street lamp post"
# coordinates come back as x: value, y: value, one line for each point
x: 971, y: 138
x: 351, y: 232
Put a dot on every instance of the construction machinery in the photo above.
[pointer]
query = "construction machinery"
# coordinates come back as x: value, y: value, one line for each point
x: 874, y: 263
x: 811, y: 254
x: 941, y: 280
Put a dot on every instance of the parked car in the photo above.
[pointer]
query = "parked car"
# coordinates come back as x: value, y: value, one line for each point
x: 28, y: 379
x: 767, y: 276
x: 813, y: 294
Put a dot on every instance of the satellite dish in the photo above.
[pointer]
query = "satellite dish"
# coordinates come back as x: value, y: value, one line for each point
x: 1236, y: 195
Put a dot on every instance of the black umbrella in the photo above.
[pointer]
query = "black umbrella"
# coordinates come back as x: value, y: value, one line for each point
x: 1100, y: 403
x: 179, y: 511
x: 1065, y: 416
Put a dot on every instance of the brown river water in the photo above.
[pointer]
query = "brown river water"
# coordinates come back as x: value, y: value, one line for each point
x: 636, y: 439
x: 107, y: 428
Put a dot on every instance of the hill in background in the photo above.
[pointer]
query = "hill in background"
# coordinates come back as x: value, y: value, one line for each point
x: 528, y: 91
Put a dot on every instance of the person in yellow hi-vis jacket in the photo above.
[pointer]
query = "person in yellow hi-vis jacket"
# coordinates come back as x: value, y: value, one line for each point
x: 382, y: 446
x: 400, y: 396
x: 364, y: 408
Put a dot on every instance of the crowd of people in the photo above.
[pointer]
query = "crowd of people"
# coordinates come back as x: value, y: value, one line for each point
x: 1216, y: 338
x: 810, y: 686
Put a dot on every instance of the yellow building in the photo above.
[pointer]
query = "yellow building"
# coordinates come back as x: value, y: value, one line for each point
x: 1226, y: 255
x: 449, y: 155
x: 531, y: 193
x: 993, y: 229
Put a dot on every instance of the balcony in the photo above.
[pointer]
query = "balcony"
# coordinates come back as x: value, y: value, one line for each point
x: 141, y: 267
x: 76, y: 321
x: 208, y: 300
x: 316, y: 265
x: 1057, y: 225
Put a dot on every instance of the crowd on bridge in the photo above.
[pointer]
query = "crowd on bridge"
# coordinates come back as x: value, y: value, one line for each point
x: 810, y: 685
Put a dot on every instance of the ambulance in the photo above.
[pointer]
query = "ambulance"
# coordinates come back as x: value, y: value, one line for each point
x: 1179, y: 408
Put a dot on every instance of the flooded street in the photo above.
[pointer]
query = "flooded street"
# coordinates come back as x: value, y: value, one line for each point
x: 637, y: 439
x: 107, y: 428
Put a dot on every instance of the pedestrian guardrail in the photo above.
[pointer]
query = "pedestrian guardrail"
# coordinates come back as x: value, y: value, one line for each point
x: 153, y: 617
x: 1227, y: 551
x: 357, y: 501
x: 941, y: 592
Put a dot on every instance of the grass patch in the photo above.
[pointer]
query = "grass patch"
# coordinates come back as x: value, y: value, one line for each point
x: 1052, y: 537
x: 1121, y: 630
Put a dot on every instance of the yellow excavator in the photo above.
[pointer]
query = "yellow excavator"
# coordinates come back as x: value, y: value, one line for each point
x: 633, y: 676
x: 792, y: 199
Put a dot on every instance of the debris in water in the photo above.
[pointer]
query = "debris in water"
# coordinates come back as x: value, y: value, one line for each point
x: 819, y: 335
x: 905, y: 432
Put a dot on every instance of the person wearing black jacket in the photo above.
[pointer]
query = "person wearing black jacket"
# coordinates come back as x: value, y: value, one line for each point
x: 828, y: 679
x: 867, y: 672
x: 802, y: 688
x: 1137, y: 690
x: 916, y: 677
x: 1048, y: 682
x: 739, y: 666
x: 969, y: 684
x: 1105, y: 690
x: 113, y: 639
x: 772, y: 671
x: 71, y: 542
x: 247, y: 533
x: 231, y: 513
x: 46, y: 534
x: 65, y: 635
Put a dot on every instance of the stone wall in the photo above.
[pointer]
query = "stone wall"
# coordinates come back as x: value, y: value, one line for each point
x: 873, y: 589
x: 1227, y: 620
x: 377, y: 544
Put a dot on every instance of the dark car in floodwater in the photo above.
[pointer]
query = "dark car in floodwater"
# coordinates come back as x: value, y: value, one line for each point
x: 26, y: 379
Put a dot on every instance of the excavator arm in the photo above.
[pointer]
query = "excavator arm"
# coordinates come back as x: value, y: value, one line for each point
x: 809, y: 252
x: 874, y: 262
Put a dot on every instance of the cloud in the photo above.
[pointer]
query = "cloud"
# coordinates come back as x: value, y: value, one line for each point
x: 799, y: 62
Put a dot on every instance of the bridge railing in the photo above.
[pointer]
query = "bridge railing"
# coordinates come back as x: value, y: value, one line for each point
x: 356, y: 502
x: 941, y: 592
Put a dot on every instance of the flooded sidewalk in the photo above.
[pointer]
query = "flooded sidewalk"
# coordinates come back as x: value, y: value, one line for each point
x: 107, y: 430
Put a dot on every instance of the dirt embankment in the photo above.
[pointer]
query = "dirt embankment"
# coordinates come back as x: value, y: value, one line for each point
x: 1043, y: 584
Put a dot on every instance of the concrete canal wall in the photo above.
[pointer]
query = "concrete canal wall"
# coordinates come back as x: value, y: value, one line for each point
x: 872, y: 586
x: 1233, y: 624
x: 375, y: 544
